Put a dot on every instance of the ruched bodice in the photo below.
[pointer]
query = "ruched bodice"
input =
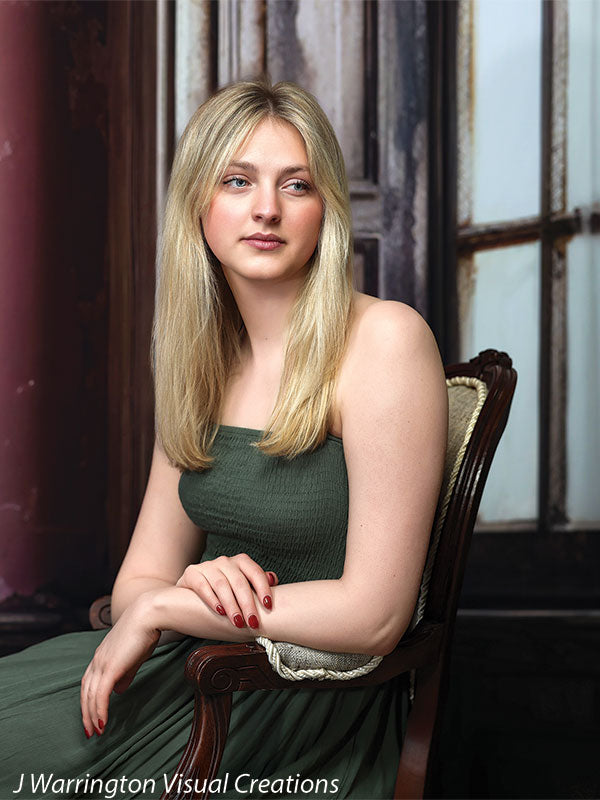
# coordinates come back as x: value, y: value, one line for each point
x: 289, y: 515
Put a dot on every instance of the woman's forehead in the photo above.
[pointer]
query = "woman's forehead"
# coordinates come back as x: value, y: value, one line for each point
x: 273, y: 140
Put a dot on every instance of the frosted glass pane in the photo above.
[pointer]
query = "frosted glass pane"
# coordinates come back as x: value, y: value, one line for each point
x: 507, y: 106
x: 583, y: 144
x: 499, y: 301
x: 583, y: 379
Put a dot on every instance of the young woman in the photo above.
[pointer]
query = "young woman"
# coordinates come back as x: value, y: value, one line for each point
x: 300, y: 438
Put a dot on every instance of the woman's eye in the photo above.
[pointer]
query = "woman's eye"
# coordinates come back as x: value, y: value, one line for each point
x: 239, y: 183
x: 299, y: 186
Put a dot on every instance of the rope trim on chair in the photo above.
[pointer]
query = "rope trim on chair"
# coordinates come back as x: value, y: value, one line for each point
x: 482, y: 391
x: 323, y: 673
x: 317, y: 673
x: 481, y: 387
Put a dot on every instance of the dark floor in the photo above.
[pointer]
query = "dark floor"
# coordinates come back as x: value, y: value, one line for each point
x: 523, y: 713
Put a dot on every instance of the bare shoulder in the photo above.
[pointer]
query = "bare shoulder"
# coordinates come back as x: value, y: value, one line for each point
x: 387, y: 329
x: 375, y: 317
x: 390, y: 346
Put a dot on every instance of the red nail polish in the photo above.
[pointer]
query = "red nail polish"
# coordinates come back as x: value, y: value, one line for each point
x: 101, y: 724
x: 267, y: 601
x: 238, y: 621
x: 270, y: 578
x: 221, y: 610
x: 87, y: 733
x: 252, y: 621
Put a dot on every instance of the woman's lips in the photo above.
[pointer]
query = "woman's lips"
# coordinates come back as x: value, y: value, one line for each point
x: 264, y: 244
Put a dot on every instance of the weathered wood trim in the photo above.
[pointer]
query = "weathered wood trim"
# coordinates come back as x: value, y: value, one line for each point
x: 132, y: 228
x: 442, y: 23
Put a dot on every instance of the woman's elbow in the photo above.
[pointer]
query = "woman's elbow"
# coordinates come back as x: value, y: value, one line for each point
x: 387, y: 635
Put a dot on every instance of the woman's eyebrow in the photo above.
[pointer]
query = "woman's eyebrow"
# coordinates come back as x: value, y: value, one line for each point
x: 249, y: 167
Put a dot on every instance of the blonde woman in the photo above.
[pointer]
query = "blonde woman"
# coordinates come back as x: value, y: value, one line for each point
x: 300, y: 437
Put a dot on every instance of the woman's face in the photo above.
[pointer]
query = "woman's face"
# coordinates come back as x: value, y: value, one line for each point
x: 264, y: 219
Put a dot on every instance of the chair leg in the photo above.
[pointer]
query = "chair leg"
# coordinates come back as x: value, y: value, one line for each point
x: 412, y: 779
x: 202, y: 755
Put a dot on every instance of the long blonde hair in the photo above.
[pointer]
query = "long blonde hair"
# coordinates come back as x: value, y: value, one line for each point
x: 197, y: 327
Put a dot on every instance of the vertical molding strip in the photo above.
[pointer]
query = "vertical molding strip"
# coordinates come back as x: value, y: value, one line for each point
x: 241, y: 46
x: 553, y: 338
x: 194, y: 58
x: 165, y: 89
x: 131, y: 249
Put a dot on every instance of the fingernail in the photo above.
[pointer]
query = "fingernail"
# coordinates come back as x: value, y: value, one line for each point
x: 252, y: 621
x: 238, y: 621
x: 270, y: 578
x: 221, y: 610
x: 101, y: 724
x: 87, y: 733
x: 267, y: 601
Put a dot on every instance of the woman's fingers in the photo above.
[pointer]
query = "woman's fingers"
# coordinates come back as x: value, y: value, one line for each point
x: 260, y: 580
x: 214, y: 587
x: 84, y: 695
x: 231, y: 586
x: 103, y: 690
x: 93, y: 722
x: 115, y: 663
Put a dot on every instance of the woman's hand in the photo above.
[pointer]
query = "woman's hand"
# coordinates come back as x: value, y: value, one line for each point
x: 116, y: 660
x: 230, y: 586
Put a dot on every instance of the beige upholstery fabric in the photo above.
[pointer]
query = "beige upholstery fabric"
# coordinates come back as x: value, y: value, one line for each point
x: 295, y: 662
x: 465, y: 399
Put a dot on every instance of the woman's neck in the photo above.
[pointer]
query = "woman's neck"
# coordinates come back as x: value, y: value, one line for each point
x: 265, y: 309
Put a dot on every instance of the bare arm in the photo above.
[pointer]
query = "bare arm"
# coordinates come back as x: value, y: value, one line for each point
x: 164, y: 540
x: 394, y: 415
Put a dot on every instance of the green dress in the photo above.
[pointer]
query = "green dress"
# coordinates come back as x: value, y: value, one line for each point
x: 291, y: 517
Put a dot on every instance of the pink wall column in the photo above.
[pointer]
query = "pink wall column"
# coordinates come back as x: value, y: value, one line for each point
x: 50, y: 520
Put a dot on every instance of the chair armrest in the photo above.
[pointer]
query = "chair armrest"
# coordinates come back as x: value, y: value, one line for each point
x: 225, y: 668
x: 99, y: 613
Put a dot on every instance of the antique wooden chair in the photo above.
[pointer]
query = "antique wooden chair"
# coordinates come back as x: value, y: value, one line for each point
x: 480, y: 394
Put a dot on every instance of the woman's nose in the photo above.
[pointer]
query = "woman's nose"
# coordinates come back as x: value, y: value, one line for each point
x: 266, y: 205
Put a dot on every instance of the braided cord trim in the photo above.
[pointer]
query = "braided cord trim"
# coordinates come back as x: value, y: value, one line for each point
x: 320, y: 673
x: 482, y: 390
x: 480, y: 386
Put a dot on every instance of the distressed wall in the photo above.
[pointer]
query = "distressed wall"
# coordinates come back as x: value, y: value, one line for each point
x: 53, y: 313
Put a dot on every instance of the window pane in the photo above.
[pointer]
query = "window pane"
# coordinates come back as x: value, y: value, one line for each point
x: 583, y: 183
x: 583, y: 377
x: 499, y: 308
x: 506, y: 113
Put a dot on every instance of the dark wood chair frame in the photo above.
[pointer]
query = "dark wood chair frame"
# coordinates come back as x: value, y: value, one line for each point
x: 216, y: 671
